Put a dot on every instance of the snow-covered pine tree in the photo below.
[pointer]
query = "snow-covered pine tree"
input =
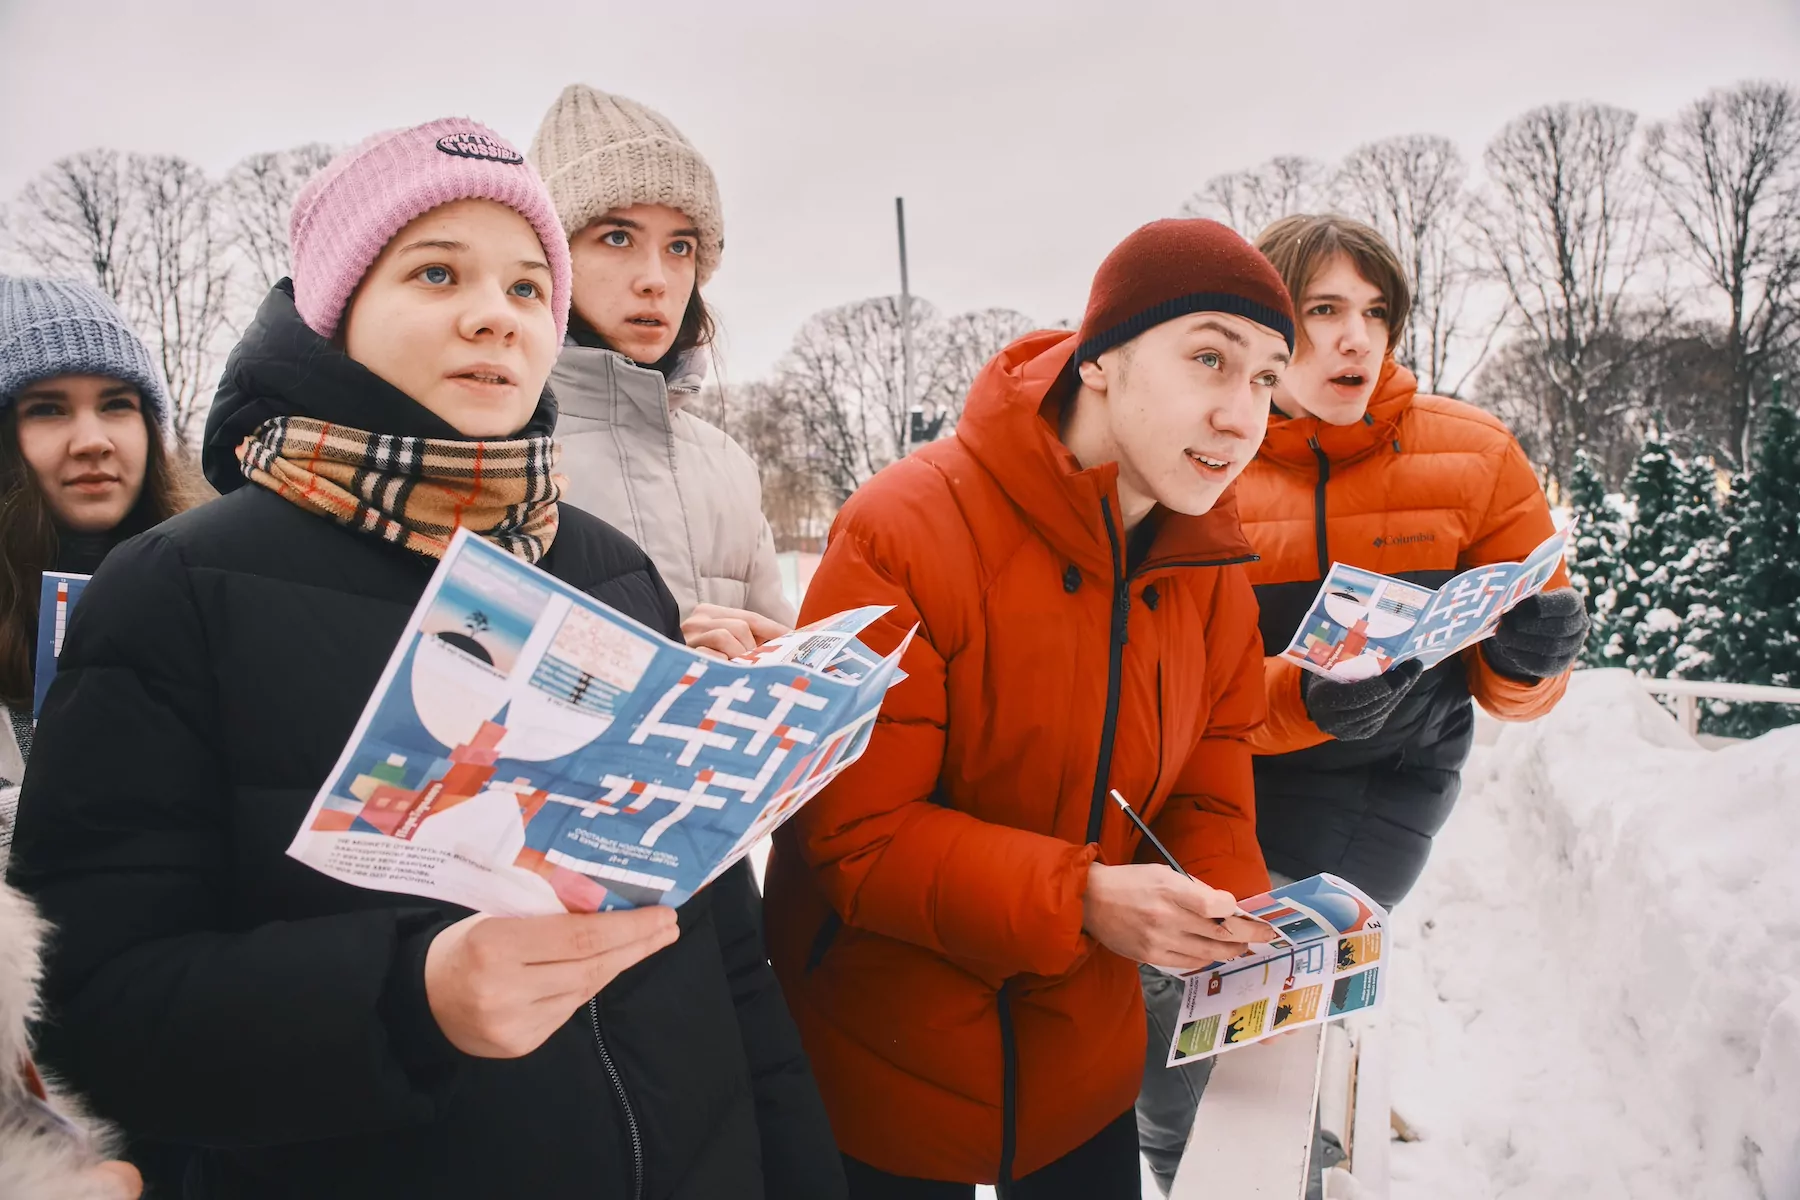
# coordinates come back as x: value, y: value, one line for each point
x: 1652, y: 491
x: 1677, y: 636
x: 1760, y: 639
x: 1595, y: 562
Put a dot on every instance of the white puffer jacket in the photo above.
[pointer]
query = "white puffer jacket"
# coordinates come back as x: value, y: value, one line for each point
x: 681, y: 488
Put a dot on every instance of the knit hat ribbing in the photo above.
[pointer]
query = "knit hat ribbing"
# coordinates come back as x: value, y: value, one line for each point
x: 51, y: 327
x: 599, y: 152
x: 348, y: 213
x: 1172, y: 268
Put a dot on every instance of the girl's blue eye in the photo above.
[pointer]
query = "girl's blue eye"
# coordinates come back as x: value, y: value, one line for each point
x: 683, y: 248
x: 527, y: 289
x: 616, y: 237
x: 1209, y: 358
x: 439, y: 275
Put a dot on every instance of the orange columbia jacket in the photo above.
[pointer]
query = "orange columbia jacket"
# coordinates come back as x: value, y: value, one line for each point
x: 1422, y: 488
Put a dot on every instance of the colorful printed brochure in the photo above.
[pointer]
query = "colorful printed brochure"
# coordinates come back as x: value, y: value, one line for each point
x: 1362, y: 624
x: 56, y: 601
x: 1329, y: 960
x: 529, y: 750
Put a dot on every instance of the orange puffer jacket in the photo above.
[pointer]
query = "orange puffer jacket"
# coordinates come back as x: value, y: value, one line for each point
x: 1423, y: 488
x: 925, y: 911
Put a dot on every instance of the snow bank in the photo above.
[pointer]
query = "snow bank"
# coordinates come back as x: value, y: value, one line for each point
x: 1597, y: 989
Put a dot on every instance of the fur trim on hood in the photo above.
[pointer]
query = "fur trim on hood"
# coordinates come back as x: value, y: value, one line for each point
x: 46, y: 1146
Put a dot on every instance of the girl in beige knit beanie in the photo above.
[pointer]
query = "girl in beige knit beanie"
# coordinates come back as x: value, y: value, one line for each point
x: 641, y: 210
x: 645, y: 230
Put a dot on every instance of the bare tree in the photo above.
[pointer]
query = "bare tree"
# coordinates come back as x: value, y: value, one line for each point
x: 1670, y: 376
x: 1564, y: 229
x: 1727, y: 170
x: 1411, y: 190
x: 797, y: 500
x: 969, y: 341
x: 179, y: 281
x: 257, y: 196
x: 77, y: 218
x: 843, y: 375
x: 1249, y: 201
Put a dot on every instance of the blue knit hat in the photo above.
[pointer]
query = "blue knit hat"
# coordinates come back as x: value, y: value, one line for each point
x: 52, y: 327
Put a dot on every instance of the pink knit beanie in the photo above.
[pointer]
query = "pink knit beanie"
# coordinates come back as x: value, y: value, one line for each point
x: 348, y: 213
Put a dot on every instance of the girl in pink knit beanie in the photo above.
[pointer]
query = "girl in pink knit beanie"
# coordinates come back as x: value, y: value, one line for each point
x: 392, y: 235
x: 291, y: 1035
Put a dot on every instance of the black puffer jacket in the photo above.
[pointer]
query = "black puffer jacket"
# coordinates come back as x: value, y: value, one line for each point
x: 206, y: 990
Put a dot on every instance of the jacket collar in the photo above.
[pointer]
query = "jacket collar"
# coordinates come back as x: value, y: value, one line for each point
x: 597, y: 384
x: 1290, y: 440
x: 1010, y: 424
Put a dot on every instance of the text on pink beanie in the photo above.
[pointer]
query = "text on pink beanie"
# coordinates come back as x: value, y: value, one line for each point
x: 348, y: 213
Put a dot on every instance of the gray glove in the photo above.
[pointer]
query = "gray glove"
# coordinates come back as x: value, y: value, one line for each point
x: 1351, y: 712
x: 1540, y: 638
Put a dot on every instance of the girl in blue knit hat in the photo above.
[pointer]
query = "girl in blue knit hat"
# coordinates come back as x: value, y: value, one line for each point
x: 83, y: 466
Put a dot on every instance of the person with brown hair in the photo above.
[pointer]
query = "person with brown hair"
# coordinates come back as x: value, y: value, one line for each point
x: 641, y: 209
x: 84, y: 465
x: 1359, y: 467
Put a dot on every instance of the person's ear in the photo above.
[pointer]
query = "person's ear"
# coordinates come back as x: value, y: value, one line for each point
x: 1093, y: 376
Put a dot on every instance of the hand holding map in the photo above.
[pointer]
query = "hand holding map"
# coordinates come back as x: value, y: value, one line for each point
x: 1362, y: 624
x: 529, y: 750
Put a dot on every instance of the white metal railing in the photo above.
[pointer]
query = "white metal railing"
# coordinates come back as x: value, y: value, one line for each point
x: 1689, y: 692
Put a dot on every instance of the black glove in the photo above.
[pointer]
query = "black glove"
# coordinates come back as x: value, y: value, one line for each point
x: 1540, y: 638
x: 1351, y: 712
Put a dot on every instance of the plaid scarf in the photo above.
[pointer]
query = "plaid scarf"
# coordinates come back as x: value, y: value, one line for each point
x: 414, y: 492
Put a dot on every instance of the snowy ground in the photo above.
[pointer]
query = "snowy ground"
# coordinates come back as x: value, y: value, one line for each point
x: 1598, y: 979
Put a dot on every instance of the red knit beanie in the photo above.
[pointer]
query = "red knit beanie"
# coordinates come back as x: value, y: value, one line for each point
x: 1171, y: 268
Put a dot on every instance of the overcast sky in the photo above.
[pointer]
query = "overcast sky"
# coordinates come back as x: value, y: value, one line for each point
x: 1027, y: 138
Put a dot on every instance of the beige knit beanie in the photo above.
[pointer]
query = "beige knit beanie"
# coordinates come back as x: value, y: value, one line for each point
x: 598, y: 152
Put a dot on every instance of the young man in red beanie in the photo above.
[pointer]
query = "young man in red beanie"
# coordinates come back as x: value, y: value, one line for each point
x: 958, y: 921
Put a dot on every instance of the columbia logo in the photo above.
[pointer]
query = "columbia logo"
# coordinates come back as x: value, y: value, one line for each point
x: 1404, y: 539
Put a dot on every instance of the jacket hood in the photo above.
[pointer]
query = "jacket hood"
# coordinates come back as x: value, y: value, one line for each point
x: 1010, y: 424
x: 281, y: 368
x: 1289, y: 439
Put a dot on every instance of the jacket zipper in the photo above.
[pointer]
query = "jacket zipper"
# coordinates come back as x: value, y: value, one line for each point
x: 618, y: 1082
x: 1009, y: 1091
x: 1319, y: 506
x: 1115, y: 666
x: 1119, y: 634
x: 1118, y: 630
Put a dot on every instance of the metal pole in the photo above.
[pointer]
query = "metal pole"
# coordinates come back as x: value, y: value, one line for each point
x: 906, y: 353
